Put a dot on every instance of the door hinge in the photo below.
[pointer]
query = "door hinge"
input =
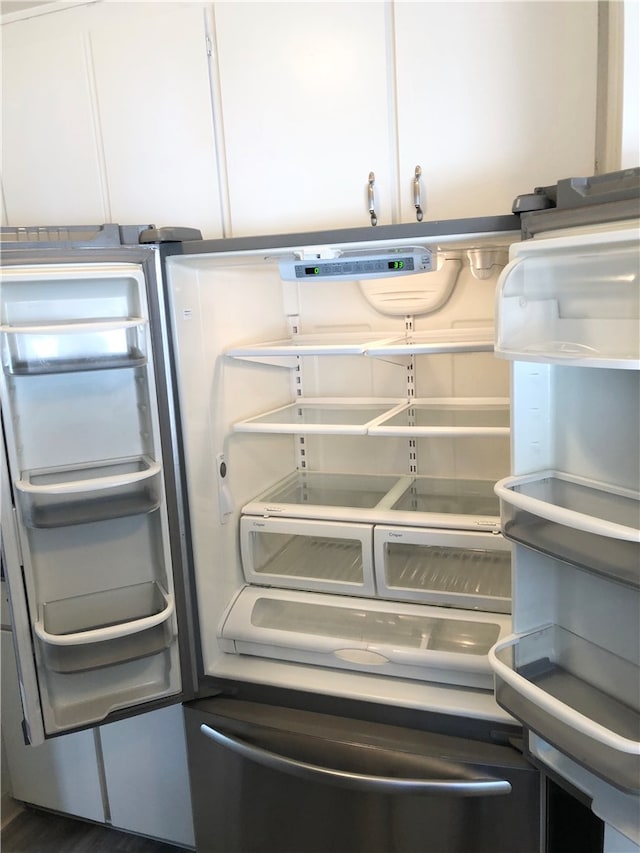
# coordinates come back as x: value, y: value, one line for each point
x: 209, y: 45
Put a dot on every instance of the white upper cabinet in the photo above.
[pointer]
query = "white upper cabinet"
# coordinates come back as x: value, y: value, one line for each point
x: 107, y: 117
x: 489, y: 99
x: 305, y: 96
x: 154, y: 99
x: 51, y: 169
x: 493, y: 99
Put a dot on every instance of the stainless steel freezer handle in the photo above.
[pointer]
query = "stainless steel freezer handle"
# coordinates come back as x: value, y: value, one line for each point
x: 473, y: 786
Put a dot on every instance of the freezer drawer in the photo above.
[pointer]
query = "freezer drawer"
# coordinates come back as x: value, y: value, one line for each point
x: 388, y: 638
x: 578, y: 696
x: 449, y: 568
x: 305, y: 554
x: 313, y: 783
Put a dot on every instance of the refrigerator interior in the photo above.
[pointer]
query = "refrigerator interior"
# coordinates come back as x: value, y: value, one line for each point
x: 81, y: 423
x: 342, y: 439
x: 571, y: 670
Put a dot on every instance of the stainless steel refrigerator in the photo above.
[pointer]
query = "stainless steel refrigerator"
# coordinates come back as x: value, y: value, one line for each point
x: 259, y: 474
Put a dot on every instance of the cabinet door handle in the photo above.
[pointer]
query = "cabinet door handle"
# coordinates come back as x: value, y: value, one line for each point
x: 372, y: 199
x: 417, y: 203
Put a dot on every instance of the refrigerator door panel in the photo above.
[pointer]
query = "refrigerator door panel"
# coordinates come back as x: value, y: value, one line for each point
x: 568, y: 315
x: 33, y: 725
x: 82, y: 422
x: 351, y: 785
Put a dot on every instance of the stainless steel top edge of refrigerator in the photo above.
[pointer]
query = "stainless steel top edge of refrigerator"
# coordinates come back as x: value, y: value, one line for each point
x: 419, y: 231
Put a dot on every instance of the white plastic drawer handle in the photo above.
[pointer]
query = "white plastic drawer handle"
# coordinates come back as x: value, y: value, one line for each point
x: 474, y: 786
x: 111, y: 632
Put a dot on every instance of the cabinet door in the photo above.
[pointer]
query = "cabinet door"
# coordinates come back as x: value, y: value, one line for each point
x: 147, y: 780
x: 494, y: 99
x: 107, y: 117
x: 305, y: 95
x: 51, y: 169
x: 154, y: 99
x: 61, y: 774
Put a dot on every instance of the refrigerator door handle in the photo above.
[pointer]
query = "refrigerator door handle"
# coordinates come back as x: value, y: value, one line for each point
x: 472, y: 786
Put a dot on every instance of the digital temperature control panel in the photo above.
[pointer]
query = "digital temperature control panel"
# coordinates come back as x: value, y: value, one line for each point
x: 359, y: 266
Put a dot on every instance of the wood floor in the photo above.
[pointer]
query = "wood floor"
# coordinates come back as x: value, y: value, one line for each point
x: 35, y: 831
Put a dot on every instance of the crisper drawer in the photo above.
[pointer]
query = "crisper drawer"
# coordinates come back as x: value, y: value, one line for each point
x: 589, y: 524
x: 448, y: 568
x: 576, y: 695
x: 305, y: 554
x: 388, y: 638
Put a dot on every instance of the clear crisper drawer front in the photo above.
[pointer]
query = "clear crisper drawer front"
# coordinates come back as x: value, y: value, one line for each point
x: 78, y: 494
x: 70, y: 347
x: 453, y: 569
x: 104, y: 628
x: 404, y: 640
x: 583, y: 522
x: 303, y: 554
x: 572, y: 299
x: 576, y: 695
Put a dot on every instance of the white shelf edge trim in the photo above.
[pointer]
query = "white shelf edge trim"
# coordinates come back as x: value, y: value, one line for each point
x: 111, y: 632
x: 90, y: 485
x: 562, y: 515
x: 71, y: 327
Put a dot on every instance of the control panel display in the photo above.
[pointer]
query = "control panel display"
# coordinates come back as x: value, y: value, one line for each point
x: 357, y: 267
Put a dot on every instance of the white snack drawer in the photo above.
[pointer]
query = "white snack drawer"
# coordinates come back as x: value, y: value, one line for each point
x: 388, y: 638
x: 306, y: 554
x: 79, y: 494
x: 452, y: 569
x: 551, y: 306
x: 74, y: 346
x: 104, y: 628
x: 576, y: 695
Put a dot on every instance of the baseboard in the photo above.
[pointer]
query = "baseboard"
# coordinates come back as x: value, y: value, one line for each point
x: 9, y: 808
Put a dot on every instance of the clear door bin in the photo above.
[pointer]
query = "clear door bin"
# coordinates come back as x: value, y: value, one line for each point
x: 589, y: 524
x: 73, y: 346
x: 104, y: 628
x: 578, y: 696
x: 303, y: 554
x: 78, y: 494
x: 550, y: 305
x: 398, y: 639
x: 449, y: 568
